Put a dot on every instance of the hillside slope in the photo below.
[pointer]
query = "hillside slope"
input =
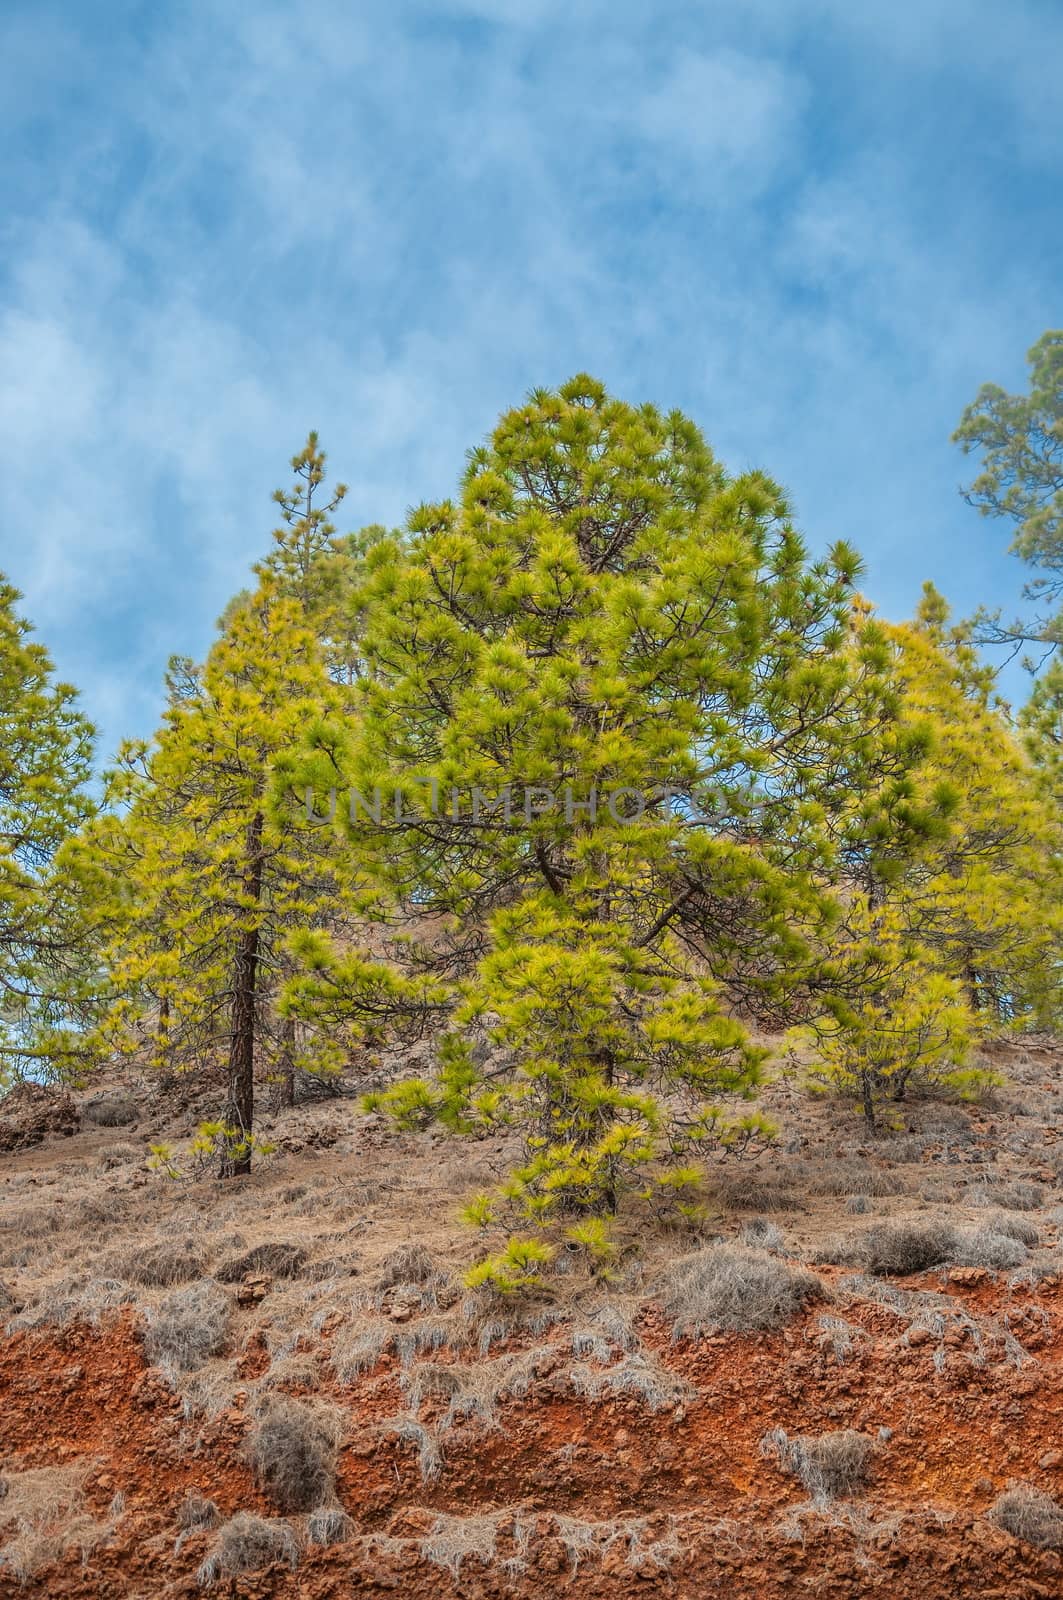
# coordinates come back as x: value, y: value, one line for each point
x: 296, y: 1347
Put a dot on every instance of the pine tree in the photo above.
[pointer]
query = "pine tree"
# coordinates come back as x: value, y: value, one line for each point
x: 607, y: 620
x: 986, y: 903
x: 45, y: 767
x: 1041, y: 722
x: 210, y: 873
x: 958, y: 933
x: 1021, y: 440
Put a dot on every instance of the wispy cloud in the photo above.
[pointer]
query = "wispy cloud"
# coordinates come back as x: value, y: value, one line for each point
x: 817, y: 229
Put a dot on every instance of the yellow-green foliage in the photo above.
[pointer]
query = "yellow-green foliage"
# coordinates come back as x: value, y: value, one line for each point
x: 203, y: 869
x: 986, y: 902
x: 45, y: 763
x: 603, y: 610
x: 905, y: 1023
x: 516, y: 1267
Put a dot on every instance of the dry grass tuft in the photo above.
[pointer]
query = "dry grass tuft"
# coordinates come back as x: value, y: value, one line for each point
x: 196, y: 1512
x: 752, y: 1191
x: 42, y: 1510
x: 831, y: 1467
x: 410, y: 1263
x: 292, y: 1450
x: 727, y: 1288
x: 986, y: 1247
x: 762, y: 1234
x: 454, y: 1540
x: 848, y: 1177
x: 1015, y: 1228
x: 329, y: 1525
x: 110, y: 1111
x: 195, y: 1515
x: 161, y: 1266
x: 278, y: 1260
x: 1019, y: 1196
x: 411, y: 1432
x: 187, y: 1328
x: 1029, y: 1514
x: 247, y: 1544
x: 636, y: 1375
x: 896, y: 1249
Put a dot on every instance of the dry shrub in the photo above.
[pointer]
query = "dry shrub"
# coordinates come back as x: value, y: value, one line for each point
x: 42, y: 1510
x: 246, y: 1544
x: 278, y: 1260
x: 188, y: 1327
x: 410, y: 1263
x: 636, y: 1375
x: 752, y: 1191
x: 110, y: 1111
x: 161, y: 1266
x: 831, y: 1467
x: 733, y: 1289
x: 292, y: 1451
x: 986, y: 1247
x: 1029, y: 1514
x: 1019, y: 1196
x: 761, y: 1232
x: 1015, y: 1228
x: 329, y: 1525
x: 900, y: 1248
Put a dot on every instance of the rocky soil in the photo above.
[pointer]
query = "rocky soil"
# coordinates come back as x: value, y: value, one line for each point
x: 577, y: 1447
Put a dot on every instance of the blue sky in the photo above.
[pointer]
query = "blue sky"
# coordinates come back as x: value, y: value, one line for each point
x: 816, y: 227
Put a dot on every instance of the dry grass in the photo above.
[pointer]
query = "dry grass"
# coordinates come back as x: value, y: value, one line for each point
x: 727, y: 1288
x: 407, y: 1430
x: 849, y: 1177
x: 161, y: 1266
x: 897, y: 1249
x: 753, y: 1191
x: 42, y: 1508
x: 1029, y: 1514
x: 276, y: 1260
x: 187, y: 1328
x: 637, y: 1375
x: 840, y: 1337
x: 832, y: 1466
x: 455, y: 1540
x: 1015, y: 1228
x: 329, y: 1525
x: 763, y: 1234
x: 985, y: 1247
x: 292, y: 1450
x: 1018, y: 1196
x: 110, y: 1111
x: 247, y: 1544
x: 411, y: 1263
x: 195, y: 1515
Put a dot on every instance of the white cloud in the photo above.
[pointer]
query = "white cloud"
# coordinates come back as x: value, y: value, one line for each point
x: 728, y: 109
x: 388, y: 227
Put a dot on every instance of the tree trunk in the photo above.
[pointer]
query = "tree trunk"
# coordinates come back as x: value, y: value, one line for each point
x: 241, y: 1105
x: 287, y: 1062
x: 868, y: 1100
x: 971, y: 978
